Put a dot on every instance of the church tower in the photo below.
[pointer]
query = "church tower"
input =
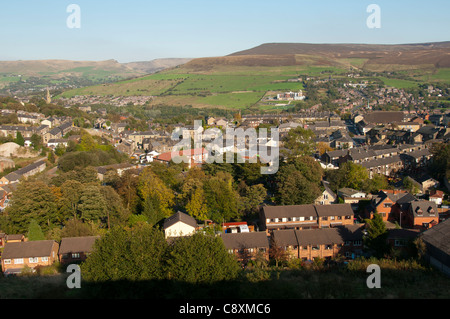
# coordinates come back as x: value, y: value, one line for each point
x: 48, y: 98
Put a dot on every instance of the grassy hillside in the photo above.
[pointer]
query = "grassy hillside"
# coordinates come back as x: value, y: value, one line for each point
x: 241, y: 80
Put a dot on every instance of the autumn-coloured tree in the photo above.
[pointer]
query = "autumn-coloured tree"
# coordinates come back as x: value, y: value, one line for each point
x: 197, y: 206
x: 152, y: 189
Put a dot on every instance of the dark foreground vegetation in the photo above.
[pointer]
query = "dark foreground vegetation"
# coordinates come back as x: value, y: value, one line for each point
x: 399, y: 280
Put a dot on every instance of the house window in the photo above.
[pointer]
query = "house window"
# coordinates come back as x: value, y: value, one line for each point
x: 387, y: 205
x: 399, y: 243
x: 331, y: 217
x: 347, y: 243
x: 284, y: 219
x: 348, y: 254
x: 33, y: 260
x: 301, y: 219
x: 18, y: 261
x: 44, y: 259
x: 324, y: 218
x: 325, y: 196
x: 7, y: 261
x: 75, y: 255
x: 357, y: 243
x: 328, y: 247
x: 315, y: 247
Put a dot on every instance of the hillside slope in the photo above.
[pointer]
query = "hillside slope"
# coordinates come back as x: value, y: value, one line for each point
x: 436, y: 54
x: 242, y: 80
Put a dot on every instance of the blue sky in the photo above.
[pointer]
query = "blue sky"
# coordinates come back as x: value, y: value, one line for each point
x: 138, y: 30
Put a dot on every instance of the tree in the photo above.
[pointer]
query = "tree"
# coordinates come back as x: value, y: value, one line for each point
x: 71, y: 193
x: 353, y: 176
x: 298, y: 181
x: 376, y: 239
x: 35, y: 231
x: 133, y: 254
x: 252, y: 197
x: 410, y: 186
x: 60, y: 150
x: 77, y: 228
x: 221, y: 198
x: 299, y: 142
x: 33, y: 199
x: 116, y: 213
x: 19, y: 139
x: 277, y: 253
x: 377, y: 182
x: 92, y: 205
x: 36, y: 141
x: 322, y: 148
x: 87, y: 143
x: 196, y: 207
x: 440, y: 166
x: 154, y: 193
x: 200, y: 259
x: 51, y: 157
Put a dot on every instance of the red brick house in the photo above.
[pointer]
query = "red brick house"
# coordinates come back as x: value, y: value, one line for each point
x: 399, y: 239
x: 192, y: 157
x: 326, y: 243
x: 247, y: 246
x: 75, y: 249
x: 422, y: 214
x: 18, y: 255
x: 305, y: 216
x: 386, y: 204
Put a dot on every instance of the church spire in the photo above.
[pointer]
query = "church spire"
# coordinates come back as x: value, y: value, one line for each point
x: 48, y: 98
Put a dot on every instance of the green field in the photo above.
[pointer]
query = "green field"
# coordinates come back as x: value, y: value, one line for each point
x: 240, y: 86
x: 441, y: 75
x: 398, y: 83
x: 227, y: 90
x: 231, y: 100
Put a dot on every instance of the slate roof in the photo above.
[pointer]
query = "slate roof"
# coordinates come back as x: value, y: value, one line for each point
x: 180, y: 217
x: 437, y: 240
x: 77, y: 244
x: 40, y: 248
x: 245, y: 240
x: 321, y: 236
x: 427, y: 208
x: 384, y: 117
x: 285, y: 237
x: 306, y: 210
x: 334, y: 210
x: 381, y: 161
x: 289, y: 211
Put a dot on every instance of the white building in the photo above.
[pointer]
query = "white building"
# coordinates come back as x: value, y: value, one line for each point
x: 179, y: 224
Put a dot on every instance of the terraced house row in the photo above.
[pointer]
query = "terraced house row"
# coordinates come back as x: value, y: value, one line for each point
x: 301, y: 217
